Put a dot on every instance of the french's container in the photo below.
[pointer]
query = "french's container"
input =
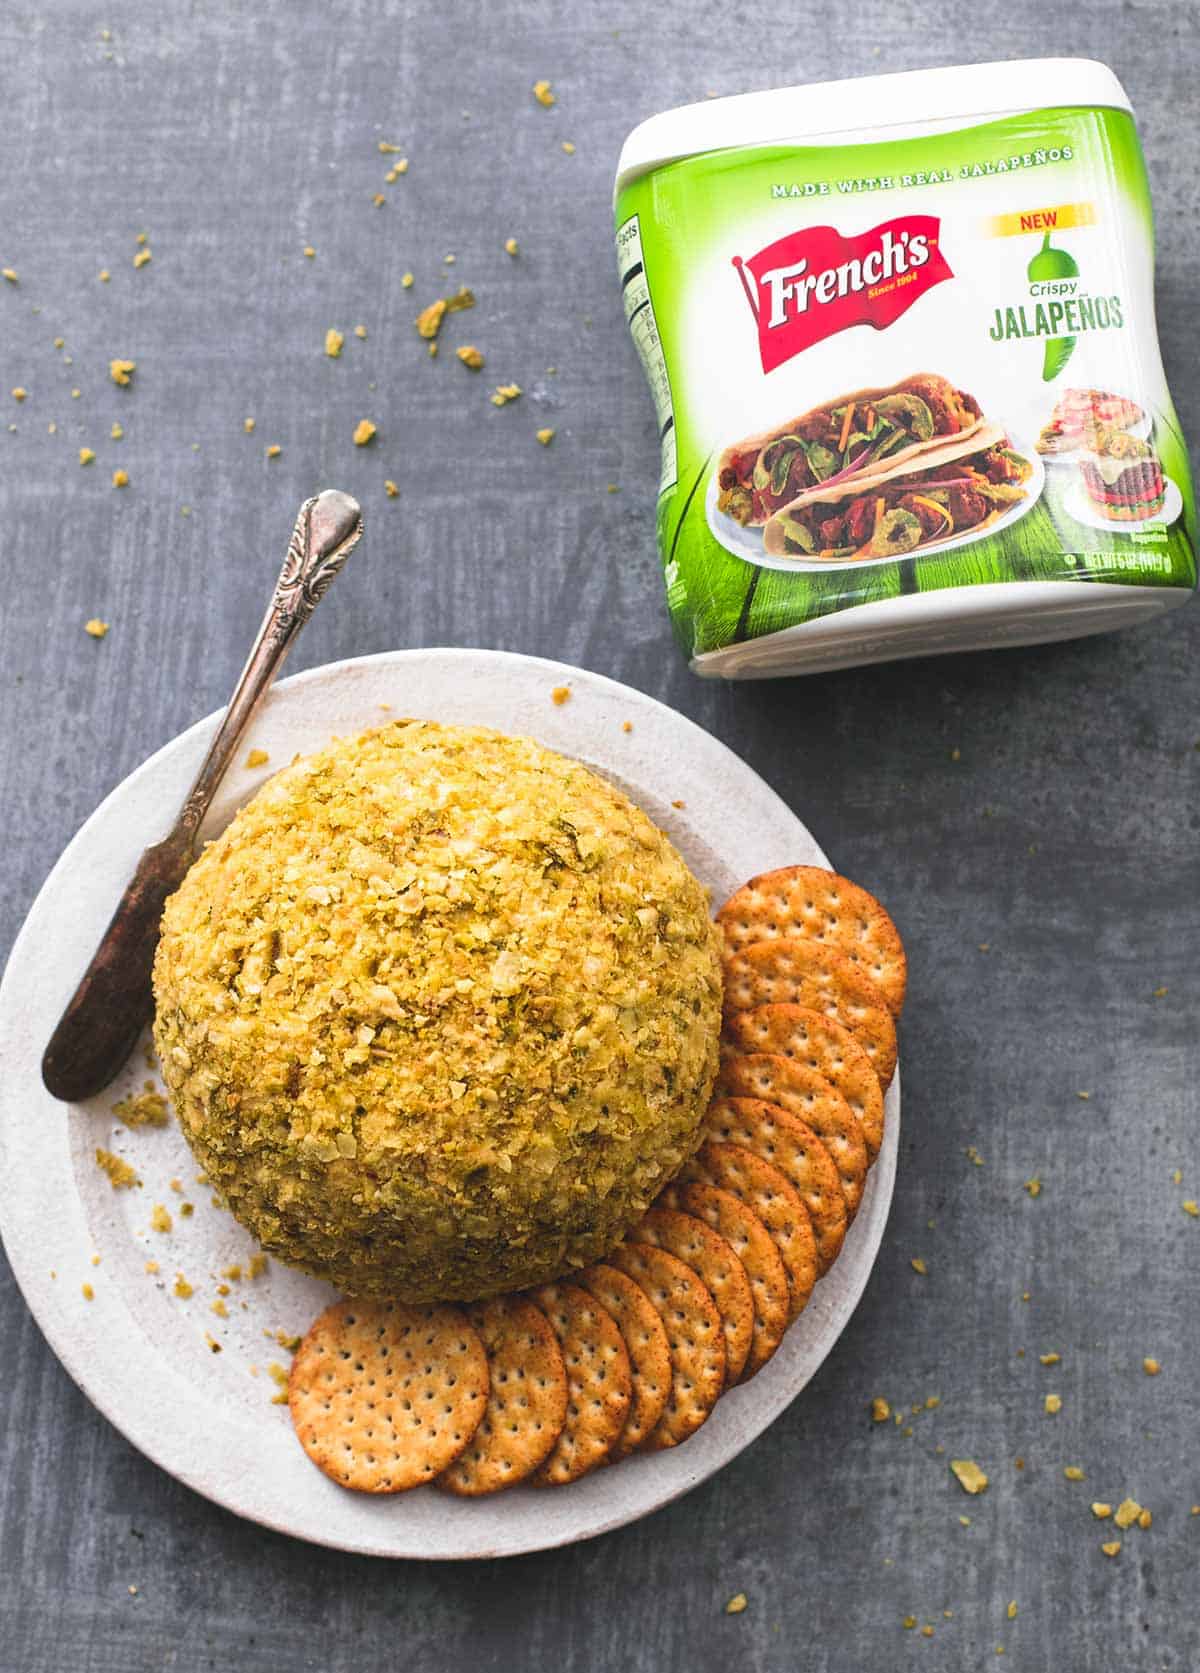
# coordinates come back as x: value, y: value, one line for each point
x: 900, y: 338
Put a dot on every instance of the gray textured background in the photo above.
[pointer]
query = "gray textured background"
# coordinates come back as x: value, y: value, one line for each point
x: 1064, y: 836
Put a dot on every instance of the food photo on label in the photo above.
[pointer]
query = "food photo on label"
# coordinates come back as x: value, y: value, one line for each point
x: 695, y: 1096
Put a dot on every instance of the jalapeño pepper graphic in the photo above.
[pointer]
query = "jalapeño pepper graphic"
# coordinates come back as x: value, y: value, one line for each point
x: 1050, y: 263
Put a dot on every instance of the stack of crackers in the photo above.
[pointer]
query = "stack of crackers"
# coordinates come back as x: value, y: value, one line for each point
x: 632, y: 1354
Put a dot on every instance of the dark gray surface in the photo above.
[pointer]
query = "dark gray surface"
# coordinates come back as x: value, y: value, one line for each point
x: 1064, y: 836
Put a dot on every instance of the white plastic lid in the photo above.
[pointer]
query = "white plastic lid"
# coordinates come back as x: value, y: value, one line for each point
x: 841, y: 111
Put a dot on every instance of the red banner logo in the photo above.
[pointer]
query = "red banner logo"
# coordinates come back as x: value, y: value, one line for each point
x: 812, y: 283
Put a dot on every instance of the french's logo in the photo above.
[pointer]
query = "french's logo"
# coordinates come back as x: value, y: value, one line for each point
x: 814, y: 283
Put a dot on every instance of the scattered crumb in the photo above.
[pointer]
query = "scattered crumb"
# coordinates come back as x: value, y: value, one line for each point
x: 545, y: 437
x: 1100, y: 1510
x: 117, y: 433
x: 429, y: 320
x: 965, y: 1520
x: 121, y: 372
x: 880, y: 1410
x: 333, y: 343
x: 142, y: 257
x: 470, y: 357
x: 1084, y: 1095
x: 390, y: 488
x: 75, y: 394
x: 219, y: 1308
x: 182, y: 1288
x: 257, y: 758
x: 386, y: 149
x: 1111, y: 1547
x: 1011, y: 1611
x: 151, y: 1267
x: 1161, y: 993
x: 1151, y: 1367
x: 120, y: 1175
x: 1177, y: 1177
x: 86, y: 455
x: 309, y: 251
x: 511, y: 247
x: 89, y: 1293
x: 379, y: 199
x: 257, y: 1265
x: 541, y: 92
x: 1192, y: 1208
x: 1073, y: 1472
x: 1144, y: 1518
x: 678, y: 804
x: 214, y: 1345
x: 505, y: 393
x: 160, y: 1220
x: 9, y: 273
x: 142, y: 1109
x: 970, y: 1477
x: 1033, y: 1186
x: 247, y: 425
x: 627, y: 726
x: 364, y: 430
x: 96, y: 627
x: 736, y: 1604
x: 360, y: 331
x: 973, y: 1155
x: 560, y: 695
x: 19, y: 394
x: 568, y: 147
x: 462, y: 298
x: 1127, y: 1513
x: 120, y: 479
x: 909, y: 1622
x: 104, y: 275
x: 1053, y: 1404
x: 918, y: 1266
x: 274, y: 450
x: 1050, y: 1358
x: 186, y: 1210
x: 926, y: 1632
x: 407, y: 281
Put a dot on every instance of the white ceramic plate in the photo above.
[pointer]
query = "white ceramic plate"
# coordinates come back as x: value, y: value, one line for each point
x: 143, y: 1355
x: 747, y: 543
x: 1079, y: 506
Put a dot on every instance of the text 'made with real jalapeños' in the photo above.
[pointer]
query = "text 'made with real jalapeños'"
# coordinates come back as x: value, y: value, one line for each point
x: 905, y: 369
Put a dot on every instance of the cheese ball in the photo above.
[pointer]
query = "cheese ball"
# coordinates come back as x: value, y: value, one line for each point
x: 438, y: 1013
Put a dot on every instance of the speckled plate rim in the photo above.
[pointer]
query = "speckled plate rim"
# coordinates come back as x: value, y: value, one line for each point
x: 201, y: 1418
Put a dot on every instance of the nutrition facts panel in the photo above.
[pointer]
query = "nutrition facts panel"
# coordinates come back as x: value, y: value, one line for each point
x: 639, y: 314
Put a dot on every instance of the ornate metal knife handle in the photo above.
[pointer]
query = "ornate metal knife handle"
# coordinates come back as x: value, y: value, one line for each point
x: 112, y: 1003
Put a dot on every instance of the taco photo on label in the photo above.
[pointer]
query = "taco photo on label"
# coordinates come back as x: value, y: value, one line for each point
x: 961, y: 487
x: 840, y: 441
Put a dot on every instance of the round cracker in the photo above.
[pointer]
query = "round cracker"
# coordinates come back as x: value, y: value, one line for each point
x: 817, y: 1102
x: 598, y: 1382
x: 791, y: 1146
x: 777, y: 1203
x: 384, y: 1396
x: 799, y: 1032
x: 693, y: 1327
x: 798, y: 972
x: 818, y: 905
x: 750, y: 1240
x: 720, y: 1271
x: 646, y: 1343
x: 527, y: 1401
